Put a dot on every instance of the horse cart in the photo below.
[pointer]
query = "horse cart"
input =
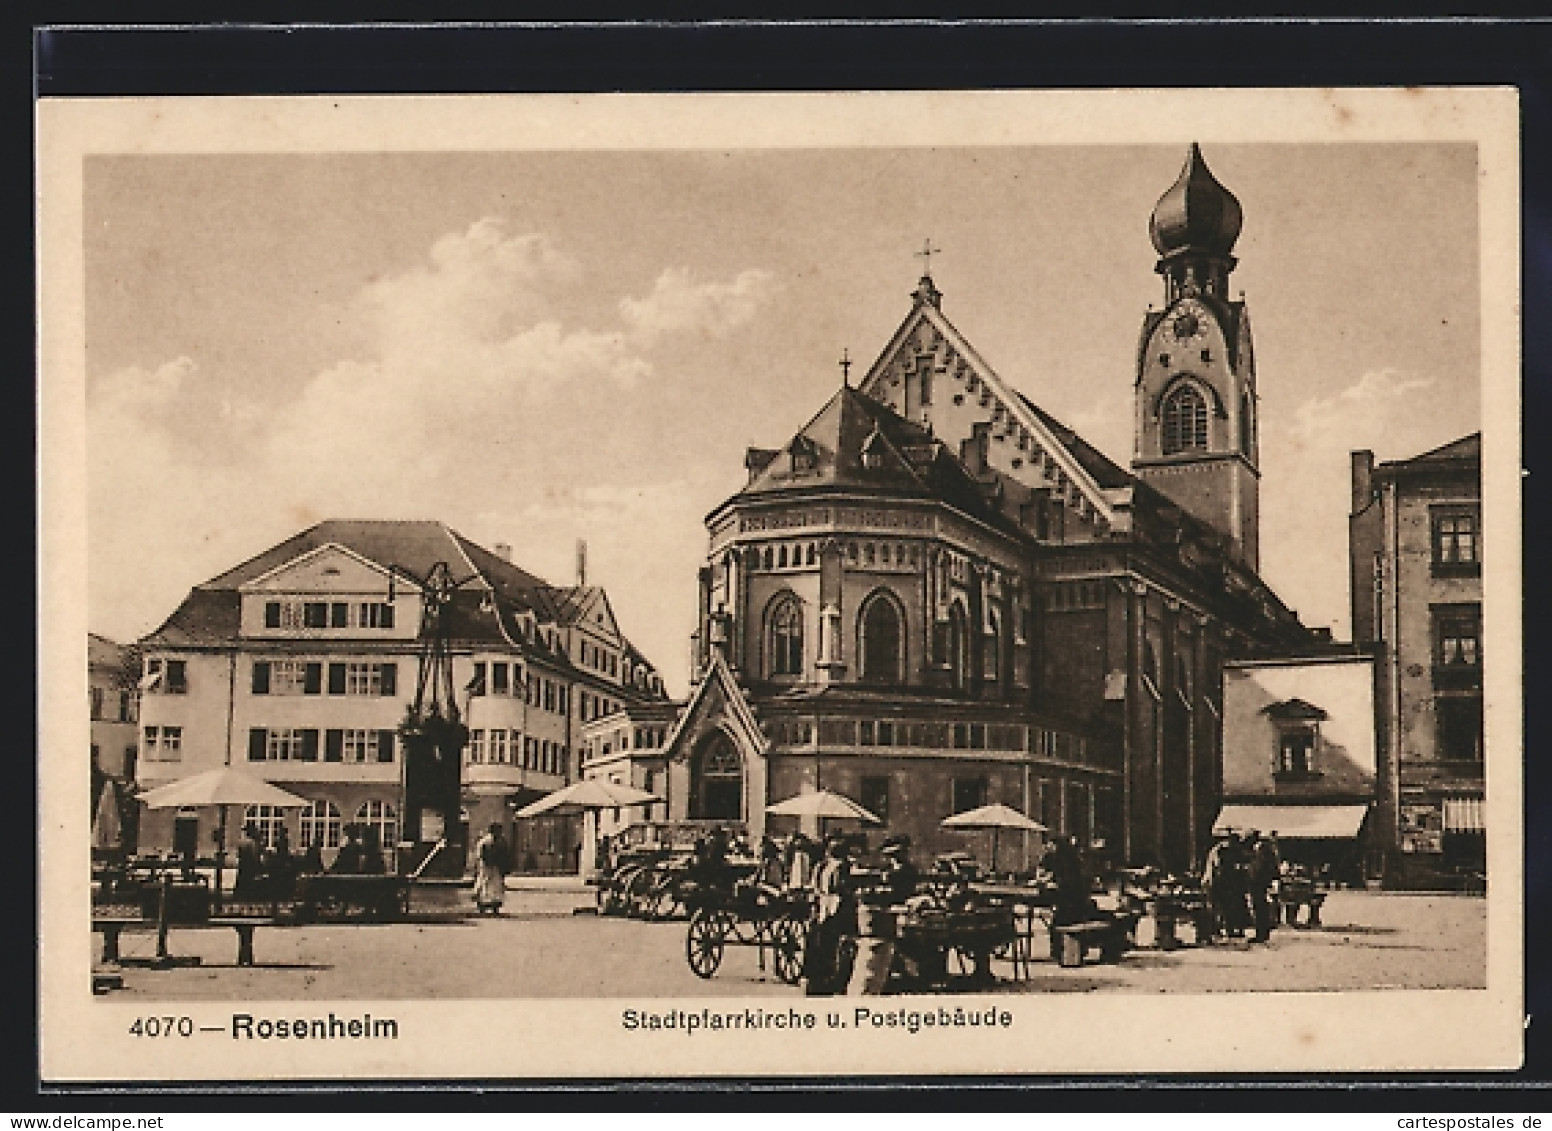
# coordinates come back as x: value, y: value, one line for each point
x: 647, y: 885
x: 748, y: 913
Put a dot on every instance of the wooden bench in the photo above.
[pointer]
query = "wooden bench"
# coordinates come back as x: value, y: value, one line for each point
x: 1075, y: 940
x: 111, y: 926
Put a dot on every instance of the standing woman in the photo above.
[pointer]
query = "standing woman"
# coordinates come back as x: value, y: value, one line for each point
x: 490, y: 878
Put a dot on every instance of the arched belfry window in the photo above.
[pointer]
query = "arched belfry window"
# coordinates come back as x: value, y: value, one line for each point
x: 784, y: 634
x: 717, y: 781
x: 1185, y: 420
x: 881, y: 643
x: 1246, y: 424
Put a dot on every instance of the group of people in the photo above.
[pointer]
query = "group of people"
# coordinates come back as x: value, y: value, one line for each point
x: 270, y: 871
x: 1239, y: 879
x: 831, y: 966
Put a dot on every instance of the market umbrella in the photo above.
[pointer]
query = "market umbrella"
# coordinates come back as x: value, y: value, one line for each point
x: 221, y: 788
x: 588, y: 795
x: 822, y: 803
x: 996, y: 818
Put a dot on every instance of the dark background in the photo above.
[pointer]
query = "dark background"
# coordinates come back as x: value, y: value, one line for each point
x: 59, y: 57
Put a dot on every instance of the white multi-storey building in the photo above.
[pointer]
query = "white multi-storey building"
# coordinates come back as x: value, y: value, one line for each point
x: 299, y: 664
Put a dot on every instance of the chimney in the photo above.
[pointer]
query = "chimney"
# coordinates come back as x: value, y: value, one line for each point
x: 581, y: 562
x: 503, y: 551
x: 1363, y: 481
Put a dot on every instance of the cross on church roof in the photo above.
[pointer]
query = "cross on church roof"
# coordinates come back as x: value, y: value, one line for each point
x: 845, y: 364
x: 925, y: 255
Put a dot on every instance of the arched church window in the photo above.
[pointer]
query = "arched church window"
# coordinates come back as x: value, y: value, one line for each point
x: 782, y: 558
x: 1185, y: 421
x: 957, y: 641
x: 880, y: 626
x: 991, y: 665
x: 717, y: 781
x: 1246, y: 433
x: 786, y: 637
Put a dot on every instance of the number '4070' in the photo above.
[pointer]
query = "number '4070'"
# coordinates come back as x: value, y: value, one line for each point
x: 162, y: 1027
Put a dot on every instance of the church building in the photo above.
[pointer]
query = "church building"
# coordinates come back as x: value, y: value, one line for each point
x: 936, y: 596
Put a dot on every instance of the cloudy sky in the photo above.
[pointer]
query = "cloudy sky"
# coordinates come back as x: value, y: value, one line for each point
x: 536, y: 347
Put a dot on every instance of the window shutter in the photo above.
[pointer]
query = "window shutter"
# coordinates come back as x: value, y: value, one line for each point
x: 336, y: 679
x: 309, y: 745
x: 385, y: 746
x: 271, y: 614
x: 334, y: 746
x: 312, y: 679
x: 390, y: 679
x: 256, y: 740
x: 339, y: 615
x: 261, y: 677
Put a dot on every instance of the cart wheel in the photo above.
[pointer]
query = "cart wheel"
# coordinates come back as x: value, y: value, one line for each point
x: 703, y: 942
x: 791, y: 938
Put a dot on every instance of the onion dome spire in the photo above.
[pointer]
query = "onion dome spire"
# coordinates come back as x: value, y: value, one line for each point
x: 1194, y: 227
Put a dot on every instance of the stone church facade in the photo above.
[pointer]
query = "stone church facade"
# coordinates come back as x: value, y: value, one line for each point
x: 936, y: 595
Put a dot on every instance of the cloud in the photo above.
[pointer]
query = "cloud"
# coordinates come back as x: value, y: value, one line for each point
x: 678, y: 303
x: 139, y: 390
x: 473, y: 381
x: 1351, y: 411
x: 644, y: 544
x: 1306, y: 488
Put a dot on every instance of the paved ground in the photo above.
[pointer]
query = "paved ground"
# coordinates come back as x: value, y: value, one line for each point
x: 540, y: 949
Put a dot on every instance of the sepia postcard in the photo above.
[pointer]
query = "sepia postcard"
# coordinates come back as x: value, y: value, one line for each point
x: 796, y: 584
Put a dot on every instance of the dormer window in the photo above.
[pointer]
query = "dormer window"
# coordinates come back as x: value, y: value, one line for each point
x: 805, y: 457
x: 873, y: 451
x: 1297, y: 724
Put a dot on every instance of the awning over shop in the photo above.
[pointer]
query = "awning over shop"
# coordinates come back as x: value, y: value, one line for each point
x: 1463, y: 815
x: 1293, y: 822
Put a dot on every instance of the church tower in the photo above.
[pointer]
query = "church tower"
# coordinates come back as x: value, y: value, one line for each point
x: 1196, y: 407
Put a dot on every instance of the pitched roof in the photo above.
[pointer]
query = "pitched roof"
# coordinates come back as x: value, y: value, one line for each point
x: 906, y: 460
x: 488, y: 609
x: 104, y: 653
x: 411, y: 545
x: 927, y: 323
x: 1465, y: 448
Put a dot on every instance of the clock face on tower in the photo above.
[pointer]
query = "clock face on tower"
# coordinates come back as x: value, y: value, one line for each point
x: 1188, y: 325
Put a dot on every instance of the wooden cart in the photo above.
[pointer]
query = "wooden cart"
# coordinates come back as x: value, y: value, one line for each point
x: 749, y: 914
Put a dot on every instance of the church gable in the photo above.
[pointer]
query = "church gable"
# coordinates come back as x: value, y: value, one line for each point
x: 930, y: 375
x: 717, y: 703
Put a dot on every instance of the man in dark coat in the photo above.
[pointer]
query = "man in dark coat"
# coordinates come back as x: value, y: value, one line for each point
x: 1265, y: 865
x: 827, y: 960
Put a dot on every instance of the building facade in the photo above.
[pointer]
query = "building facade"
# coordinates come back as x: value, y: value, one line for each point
x: 299, y: 666
x: 1300, y: 741
x: 1415, y: 537
x: 113, y: 701
x: 937, y: 596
